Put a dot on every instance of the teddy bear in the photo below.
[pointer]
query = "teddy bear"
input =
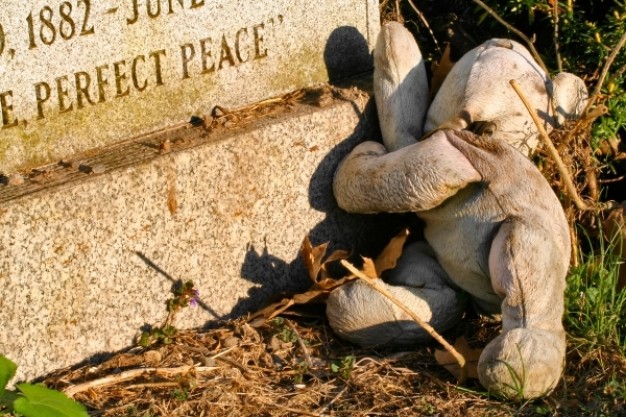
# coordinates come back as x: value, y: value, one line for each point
x: 494, y: 229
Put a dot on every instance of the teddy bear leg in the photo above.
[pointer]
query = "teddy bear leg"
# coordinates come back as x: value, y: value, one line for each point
x: 400, y: 86
x: 362, y: 315
x: 528, y: 265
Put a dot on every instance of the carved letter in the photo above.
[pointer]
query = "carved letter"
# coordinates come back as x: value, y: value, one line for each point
x: 135, y: 13
x: 156, y: 13
x: 119, y: 77
x: 157, y: 65
x: 133, y: 72
x: 242, y: 31
x: 102, y: 81
x: 83, y: 81
x: 42, y: 92
x: 171, y: 10
x: 187, y: 57
x: 226, y: 54
x: 7, y: 110
x: 62, y: 94
x: 258, y: 41
x: 195, y: 4
x: 206, y: 55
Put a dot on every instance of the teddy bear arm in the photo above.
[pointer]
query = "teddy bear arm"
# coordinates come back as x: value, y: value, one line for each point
x: 400, y: 86
x: 415, y: 178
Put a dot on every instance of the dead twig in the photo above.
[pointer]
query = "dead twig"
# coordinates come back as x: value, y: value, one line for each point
x: 557, y: 52
x: 426, y: 25
x: 605, y: 71
x: 132, y: 374
x: 543, y: 135
x: 516, y: 31
x: 427, y: 327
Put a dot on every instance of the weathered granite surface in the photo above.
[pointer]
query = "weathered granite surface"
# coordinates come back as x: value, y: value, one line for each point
x: 81, y: 74
x: 85, y: 265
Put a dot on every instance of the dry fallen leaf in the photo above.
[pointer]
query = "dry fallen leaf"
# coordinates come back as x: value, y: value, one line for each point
x: 388, y: 258
x: 312, y: 257
x: 440, y: 71
x: 471, y: 355
x: 369, y: 268
x: 323, y: 285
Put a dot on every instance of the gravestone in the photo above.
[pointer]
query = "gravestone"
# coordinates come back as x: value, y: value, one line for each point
x: 109, y: 195
x: 81, y: 74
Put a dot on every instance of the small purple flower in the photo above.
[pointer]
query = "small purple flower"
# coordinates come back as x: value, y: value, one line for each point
x: 193, y: 301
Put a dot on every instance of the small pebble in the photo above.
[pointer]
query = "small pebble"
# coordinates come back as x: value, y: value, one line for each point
x: 15, y: 179
x: 152, y: 357
x: 97, y: 169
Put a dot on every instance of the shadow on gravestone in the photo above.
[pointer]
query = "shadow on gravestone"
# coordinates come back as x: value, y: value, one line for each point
x: 361, y: 234
x: 346, y: 53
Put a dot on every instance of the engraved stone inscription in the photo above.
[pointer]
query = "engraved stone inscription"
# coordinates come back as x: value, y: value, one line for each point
x: 81, y: 74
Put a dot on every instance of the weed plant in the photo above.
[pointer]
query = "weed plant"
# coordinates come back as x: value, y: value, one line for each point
x: 596, y: 309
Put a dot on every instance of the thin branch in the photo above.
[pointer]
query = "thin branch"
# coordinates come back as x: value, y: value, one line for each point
x: 427, y: 327
x: 557, y: 52
x: 565, y: 175
x: 132, y: 374
x: 425, y: 23
x: 605, y: 71
x: 516, y: 31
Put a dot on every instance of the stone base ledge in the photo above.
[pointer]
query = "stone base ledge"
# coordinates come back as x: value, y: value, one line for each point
x: 90, y: 247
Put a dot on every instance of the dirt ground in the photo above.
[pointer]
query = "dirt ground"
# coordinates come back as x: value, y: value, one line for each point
x: 296, y: 366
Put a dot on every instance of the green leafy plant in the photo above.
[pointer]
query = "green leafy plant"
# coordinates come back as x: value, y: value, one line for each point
x: 283, y: 331
x: 181, y: 394
x: 301, y: 368
x: 344, y: 366
x: 34, y: 400
x: 185, y: 295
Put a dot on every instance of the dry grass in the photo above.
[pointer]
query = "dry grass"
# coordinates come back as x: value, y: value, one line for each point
x: 291, y: 368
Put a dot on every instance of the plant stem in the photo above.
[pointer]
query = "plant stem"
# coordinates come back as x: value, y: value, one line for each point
x: 516, y: 31
x: 605, y: 71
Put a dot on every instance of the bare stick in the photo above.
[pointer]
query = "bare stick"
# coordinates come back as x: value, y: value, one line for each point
x: 565, y: 175
x: 132, y: 374
x: 425, y: 23
x: 555, y: 13
x: 517, y: 32
x: 427, y: 327
x: 605, y: 71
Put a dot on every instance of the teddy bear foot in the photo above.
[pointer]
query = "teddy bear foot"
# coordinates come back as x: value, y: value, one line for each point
x: 363, y: 316
x: 523, y: 363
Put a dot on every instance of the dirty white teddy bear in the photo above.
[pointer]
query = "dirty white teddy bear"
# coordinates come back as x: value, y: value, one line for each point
x: 494, y: 227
